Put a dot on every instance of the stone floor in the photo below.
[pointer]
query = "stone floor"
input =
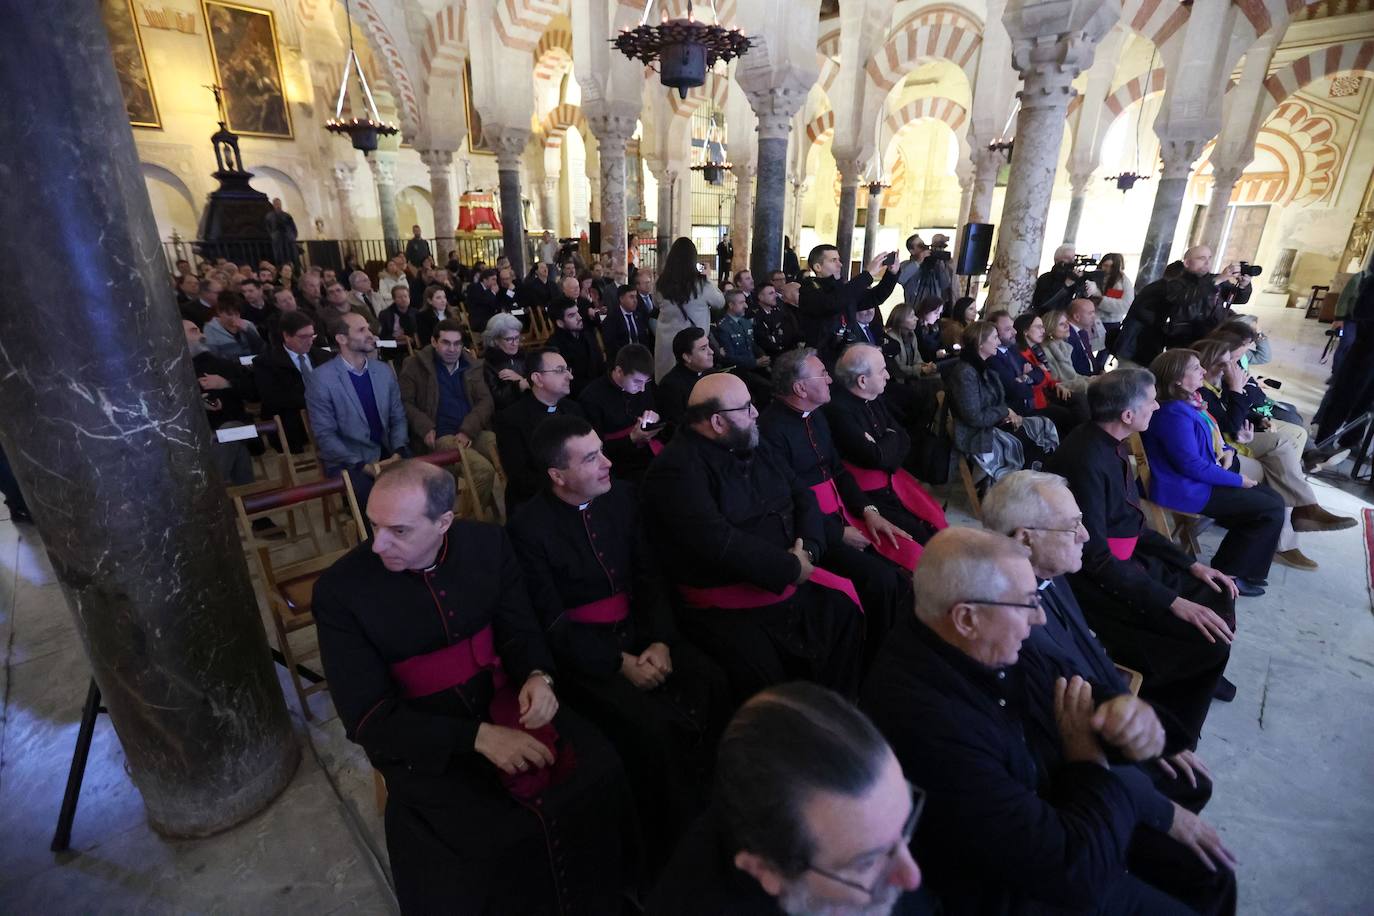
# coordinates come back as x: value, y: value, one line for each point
x: 1293, y: 756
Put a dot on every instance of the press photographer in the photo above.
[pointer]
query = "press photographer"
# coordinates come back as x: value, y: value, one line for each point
x: 928, y: 273
x: 1186, y: 304
x: 1071, y: 277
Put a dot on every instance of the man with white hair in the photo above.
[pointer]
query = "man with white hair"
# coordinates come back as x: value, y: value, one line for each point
x: 1023, y: 810
x: 362, y: 298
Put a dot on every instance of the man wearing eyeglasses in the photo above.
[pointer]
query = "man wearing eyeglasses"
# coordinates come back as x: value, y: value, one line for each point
x: 740, y: 537
x: 811, y: 814
x: 965, y: 705
x: 282, y: 371
x: 550, y: 383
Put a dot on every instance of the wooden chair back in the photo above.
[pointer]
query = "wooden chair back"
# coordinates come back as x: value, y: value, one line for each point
x: 963, y: 461
x: 469, y: 505
x: 1174, y: 524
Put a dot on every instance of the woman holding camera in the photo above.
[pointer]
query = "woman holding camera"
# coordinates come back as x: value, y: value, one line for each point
x: 1118, y: 292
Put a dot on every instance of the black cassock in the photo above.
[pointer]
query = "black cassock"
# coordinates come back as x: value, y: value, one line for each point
x: 514, y: 427
x: 459, y: 842
x: 1130, y: 576
x: 598, y: 593
x: 612, y: 411
x: 722, y: 525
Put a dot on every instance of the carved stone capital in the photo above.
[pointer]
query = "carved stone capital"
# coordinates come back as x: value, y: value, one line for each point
x: 611, y: 129
x: 343, y: 176
x: 383, y: 169
x: 437, y: 160
x: 775, y: 109
x: 850, y: 169
x: 509, y: 143
x: 1179, y: 156
x: 1078, y: 182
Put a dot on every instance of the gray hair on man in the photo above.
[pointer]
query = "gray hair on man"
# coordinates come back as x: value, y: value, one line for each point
x: 787, y: 369
x: 959, y: 564
x: 1064, y: 253
x: 357, y: 275
x: 1018, y: 500
x: 856, y: 361
x: 498, y: 326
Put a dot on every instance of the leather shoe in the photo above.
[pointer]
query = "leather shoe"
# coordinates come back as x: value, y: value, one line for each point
x: 1296, y: 559
x: 1314, y: 461
x: 1313, y: 517
x: 1246, y: 588
x: 1225, y: 691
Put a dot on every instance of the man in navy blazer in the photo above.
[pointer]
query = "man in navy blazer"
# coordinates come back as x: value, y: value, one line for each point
x: 1082, y: 329
x: 1017, y: 375
x: 626, y: 324
x: 355, y: 407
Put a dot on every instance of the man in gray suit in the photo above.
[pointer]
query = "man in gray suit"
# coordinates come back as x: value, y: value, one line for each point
x: 355, y: 407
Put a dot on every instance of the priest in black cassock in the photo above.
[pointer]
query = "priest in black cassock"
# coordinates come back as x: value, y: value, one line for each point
x: 1155, y: 608
x: 739, y: 536
x: 597, y: 590
x: 873, y: 445
x: 693, y: 358
x: 620, y: 407
x: 498, y: 802
x: 548, y: 395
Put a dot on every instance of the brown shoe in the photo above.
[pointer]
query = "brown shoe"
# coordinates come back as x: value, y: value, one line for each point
x: 1296, y: 559
x: 1314, y: 518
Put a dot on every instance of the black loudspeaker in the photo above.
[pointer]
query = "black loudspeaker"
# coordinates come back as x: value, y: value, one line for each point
x: 975, y: 247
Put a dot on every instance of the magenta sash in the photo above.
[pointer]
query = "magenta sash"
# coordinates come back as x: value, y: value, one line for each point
x: 912, y: 495
x: 906, y: 554
x: 743, y: 596
x: 654, y: 445
x: 1122, y: 548
x: 608, y: 610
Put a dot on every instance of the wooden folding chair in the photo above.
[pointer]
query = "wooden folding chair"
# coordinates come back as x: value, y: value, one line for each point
x: 960, y: 459
x: 1133, y: 678
x: 1174, y: 524
x: 469, y: 504
x: 290, y: 584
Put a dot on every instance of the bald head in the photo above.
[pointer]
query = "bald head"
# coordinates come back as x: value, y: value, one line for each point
x: 719, y: 409
x: 420, y: 476
x: 1064, y: 254
x: 962, y: 563
x: 1197, y: 260
x: 862, y: 371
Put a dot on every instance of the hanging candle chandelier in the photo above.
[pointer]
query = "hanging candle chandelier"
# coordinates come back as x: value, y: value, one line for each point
x: 1126, y: 180
x: 684, y: 48
x: 362, y: 131
x: 714, y: 165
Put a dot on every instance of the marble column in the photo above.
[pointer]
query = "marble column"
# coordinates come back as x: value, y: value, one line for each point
x: 344, y: 173
x: 1178, y: 158
x: 667, y: 184
x: 986, y: 164
x: 1224, y: 180
x: 1039, y: 131
x: 440, y: 165
x: 775, y: 108
x: 612, y: 133
x: 510, y: 151
x: 849, y: 205
x: 872, y: 224
x: 110, y: 443
x: 799, y: 189
x: 1078, y: 190
x: 550, y: 203
x: 740, y: 218
x: 383, y: 167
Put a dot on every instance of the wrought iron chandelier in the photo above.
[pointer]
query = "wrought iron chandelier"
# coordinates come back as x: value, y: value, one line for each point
x: 1126, y: 180
x: 362, y: 131
x: 684, y: 48
x: 711, y: 168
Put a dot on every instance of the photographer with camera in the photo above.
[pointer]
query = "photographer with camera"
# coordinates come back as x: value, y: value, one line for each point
x: 928, y: 273
x: 1068, y: 279
x: 1185, y: 305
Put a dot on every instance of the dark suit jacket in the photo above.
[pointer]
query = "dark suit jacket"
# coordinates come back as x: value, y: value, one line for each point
x: 282, y: 389
x: 514, y: 428
x: 615, y: 332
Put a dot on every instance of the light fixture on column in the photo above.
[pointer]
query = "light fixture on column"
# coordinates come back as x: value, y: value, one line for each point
x: 713, y: 165
x: 1126, y: 180
x: 684, y: 48
x: 362, y: 131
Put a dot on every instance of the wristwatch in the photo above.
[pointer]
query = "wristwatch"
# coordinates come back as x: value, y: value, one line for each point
x: 865, y: 509
x: 548, y: 678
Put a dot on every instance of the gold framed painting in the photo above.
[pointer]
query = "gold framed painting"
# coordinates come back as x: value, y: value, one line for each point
x: 131, y: 64
x: 476, y: 142
x: 247, y: 61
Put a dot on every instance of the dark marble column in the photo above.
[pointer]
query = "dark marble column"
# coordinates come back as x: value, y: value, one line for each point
x: 1178, y: 156
x: 770, y: 200
x: 510, y: 150
x: 105, y: 429
x: 849, y: 208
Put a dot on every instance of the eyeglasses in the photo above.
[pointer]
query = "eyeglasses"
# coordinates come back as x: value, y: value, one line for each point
x: 1037, y: 604
x: 918, y: 803
x: 561, y: 370
x: 748, y: 405
x: 807, y: 378
x: 1077, y: 524
x: 514, y: 338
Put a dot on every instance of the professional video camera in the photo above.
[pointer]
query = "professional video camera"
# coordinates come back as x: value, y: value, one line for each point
x: 1084, y: 260
x: 937, y: 254
x: 1250, y: 270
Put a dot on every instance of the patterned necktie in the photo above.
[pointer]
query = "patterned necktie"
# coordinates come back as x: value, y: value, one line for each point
x: 303, y: 363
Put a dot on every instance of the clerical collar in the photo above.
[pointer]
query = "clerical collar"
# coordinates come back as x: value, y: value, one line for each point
x: 583, y: 506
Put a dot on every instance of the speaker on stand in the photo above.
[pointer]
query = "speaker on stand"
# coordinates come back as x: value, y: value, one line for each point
x: 975, y: 248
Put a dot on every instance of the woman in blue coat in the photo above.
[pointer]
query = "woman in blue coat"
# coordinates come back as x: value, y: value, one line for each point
x: 1192, y: 469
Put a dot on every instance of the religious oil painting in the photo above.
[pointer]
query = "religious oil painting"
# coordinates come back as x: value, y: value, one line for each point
x: 476, y: 142
x: 131, y: 65
x: 243, y: 45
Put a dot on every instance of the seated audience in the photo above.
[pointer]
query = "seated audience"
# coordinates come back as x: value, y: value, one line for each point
x: 996, y: 438
x: 811, y: 814
x: 930, y: 330
x: 1192, y: 469
x: 498, y: 801
x: 578, y: 345
x: 1023, y: 812
x: 448, y: 407
x: 228, y: 334
x: 355, y: 407
x: 283, y: 371
x: 1087, y: 337
x: 534, y: 292
x: 739, y: 537
x: 693, y: 359
x: 1049, y: 397
x: 254, y: 306
x: 203, y: 308
x: 397, y: 322
x: 503, y: 361
x: 620, y: 407
x: 1058, y: 358
x: 626, y: 324
x: 393, y: 275
x: 336, y: 302
x: 904, y: 351
x: 1155, y: 608
x: 362, y: 298
x: 735, y: 332
x: 436, y: 307
x: 549, y: 384
x: 597, y: 592
x: 775, y: 326
x: 960, y: 315
x: 1118, y: 292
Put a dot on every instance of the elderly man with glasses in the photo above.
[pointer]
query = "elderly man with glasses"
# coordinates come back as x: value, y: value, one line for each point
x: 739, y: 536
x: 550, y: 381
x: 1024, y: 811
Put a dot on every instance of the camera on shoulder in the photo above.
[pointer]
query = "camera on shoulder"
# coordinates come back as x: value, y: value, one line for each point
x: 1250, y: 270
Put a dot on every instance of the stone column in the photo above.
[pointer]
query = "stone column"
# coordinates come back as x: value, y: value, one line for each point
x: 740, y: 218
x: 1178, y: 158
x: 799, y: 188
x: 440, y: 165
x: 774, y: 108
x: 383, y: 167
x: 1045, y: 98
x: 112, y: 447
x: 667, y: 184
x: 550, y: 203
x: 343, y: 185
x: 510, y: 150
x: 872, y: 224
x: 1078, y: 185
x: 612, y: 133
x: 1224, y: 180
x: 986, y: 164
x: 849, y: 206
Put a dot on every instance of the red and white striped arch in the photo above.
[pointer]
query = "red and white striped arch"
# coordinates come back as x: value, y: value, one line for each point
x: 393, y: 62
x: 1347, y: 57
x: 444, y: 48
x: 521, y: 23
x: 937, y: 107
x: 1157, y: 20
x: 553, y: 56
x: 948, y: 37
x: 1135, y: 90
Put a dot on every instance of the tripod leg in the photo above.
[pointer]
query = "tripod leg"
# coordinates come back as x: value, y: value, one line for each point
x: 61, y: 839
